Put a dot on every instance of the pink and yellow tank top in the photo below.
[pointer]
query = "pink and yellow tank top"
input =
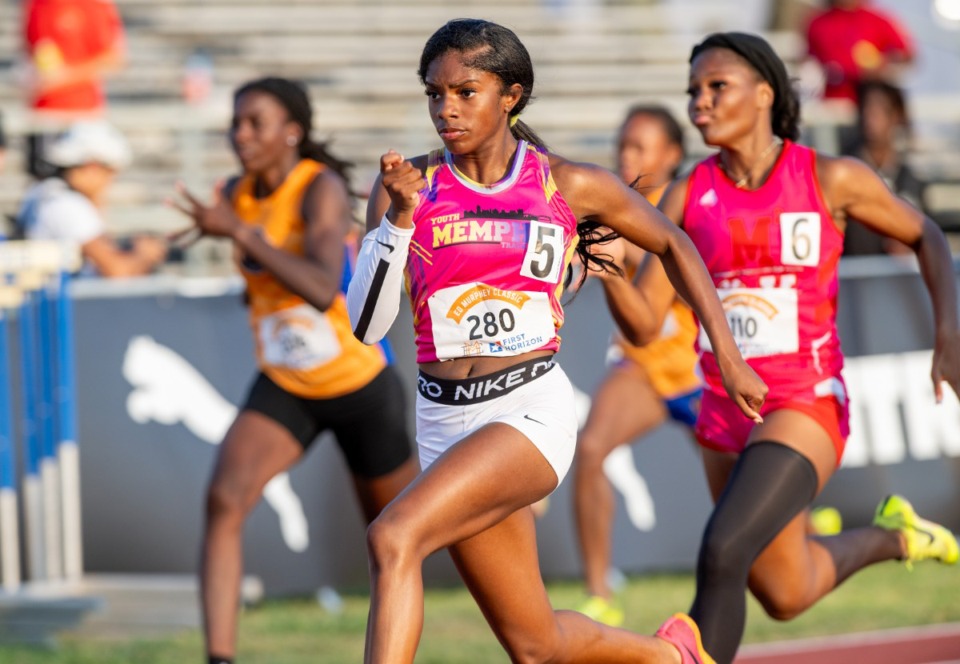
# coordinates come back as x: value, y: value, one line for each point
x: 670, y: 361
x: 307, y: 352
x: 773, y: 255
x: 486, y: 263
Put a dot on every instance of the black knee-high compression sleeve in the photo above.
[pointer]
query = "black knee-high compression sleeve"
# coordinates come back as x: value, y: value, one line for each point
x: 770, y: 484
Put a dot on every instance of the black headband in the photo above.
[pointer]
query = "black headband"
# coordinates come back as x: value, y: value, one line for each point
x: 751, y: 48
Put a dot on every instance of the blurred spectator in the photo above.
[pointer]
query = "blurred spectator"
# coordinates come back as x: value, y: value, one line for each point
x: 5, y: 219
x: 854, y: 43
x: 3, y: 145
x: 71, y: 45
x: 197, y: 77
x: 882, y: 141
x: 67, y: 205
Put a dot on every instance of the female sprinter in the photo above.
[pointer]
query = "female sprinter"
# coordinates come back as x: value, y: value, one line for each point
x: 768, y: 217
x: 482, y: 231
x: 645, y: 385
x: 288, y: 215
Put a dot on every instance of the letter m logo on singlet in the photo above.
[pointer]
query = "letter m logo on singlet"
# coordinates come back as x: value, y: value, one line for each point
x: 751, y: 247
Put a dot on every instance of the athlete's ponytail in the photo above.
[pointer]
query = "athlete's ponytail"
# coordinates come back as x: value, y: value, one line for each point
x: 522, y: 132
x: 785, y: 112
x: 593, y: 233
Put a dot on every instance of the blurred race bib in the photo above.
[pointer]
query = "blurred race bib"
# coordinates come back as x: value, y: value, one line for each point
x: 298, y: 338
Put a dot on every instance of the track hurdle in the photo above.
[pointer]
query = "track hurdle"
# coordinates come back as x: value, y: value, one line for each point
x: 34, y: 296
x: 68, y: 451
x: 9, y: 531
x: 29, y: 429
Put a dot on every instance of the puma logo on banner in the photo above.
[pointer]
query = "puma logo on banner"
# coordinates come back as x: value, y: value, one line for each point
x: 167, y: 389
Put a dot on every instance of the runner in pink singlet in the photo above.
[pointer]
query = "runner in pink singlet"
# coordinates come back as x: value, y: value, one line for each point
x: 469, y: 301
x: 768, y: 217
x: 480, y: 232
x: 774, y: 260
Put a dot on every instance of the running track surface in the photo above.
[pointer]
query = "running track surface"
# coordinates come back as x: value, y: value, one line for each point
x: 936, y: 644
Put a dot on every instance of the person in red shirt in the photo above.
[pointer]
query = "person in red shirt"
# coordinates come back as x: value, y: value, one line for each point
x: 853, y: 43
x: 71, y: 46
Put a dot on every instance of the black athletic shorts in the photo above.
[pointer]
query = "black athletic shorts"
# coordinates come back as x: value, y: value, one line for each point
x: 370, y: 424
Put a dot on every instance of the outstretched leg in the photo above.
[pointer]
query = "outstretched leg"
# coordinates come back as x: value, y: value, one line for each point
x: 624, y: 407
x: 474, y: 485
x: 474, y: 499
x: 502, y: 571
x: 255, y: 449
x: 762, y: 508
x: 797, y: 569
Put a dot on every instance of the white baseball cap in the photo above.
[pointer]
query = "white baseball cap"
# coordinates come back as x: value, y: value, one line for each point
x: 89, y: 142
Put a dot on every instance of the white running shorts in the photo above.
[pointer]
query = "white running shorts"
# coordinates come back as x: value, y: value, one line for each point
x: 541, y: 407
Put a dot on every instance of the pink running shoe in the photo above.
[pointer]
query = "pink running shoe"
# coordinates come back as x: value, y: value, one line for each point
x: 682, y: 633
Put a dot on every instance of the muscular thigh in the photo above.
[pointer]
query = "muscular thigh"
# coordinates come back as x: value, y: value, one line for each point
x: 374, y: 493
x: 802, y: 433
x: 472, y: 486
x: 785, y: 559
x: 255, y: 449
x: 788, y: 427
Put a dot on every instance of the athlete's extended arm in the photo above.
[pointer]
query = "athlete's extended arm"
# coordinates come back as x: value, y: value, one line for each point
x: 373, y: 297
x: 641, y: 307
x: 855, y: 191
x: 316, y: 275
x: 638, y: 319
x: 594, y: 193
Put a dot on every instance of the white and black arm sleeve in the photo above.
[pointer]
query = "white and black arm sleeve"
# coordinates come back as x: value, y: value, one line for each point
x: 373, y: 297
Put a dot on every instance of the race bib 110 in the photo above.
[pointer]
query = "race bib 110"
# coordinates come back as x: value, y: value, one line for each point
x: 763, y: 320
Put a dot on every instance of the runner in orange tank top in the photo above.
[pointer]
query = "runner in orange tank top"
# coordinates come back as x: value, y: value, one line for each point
x: 768, y: 215
x: 645, y: 385
x: 289, y: 215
